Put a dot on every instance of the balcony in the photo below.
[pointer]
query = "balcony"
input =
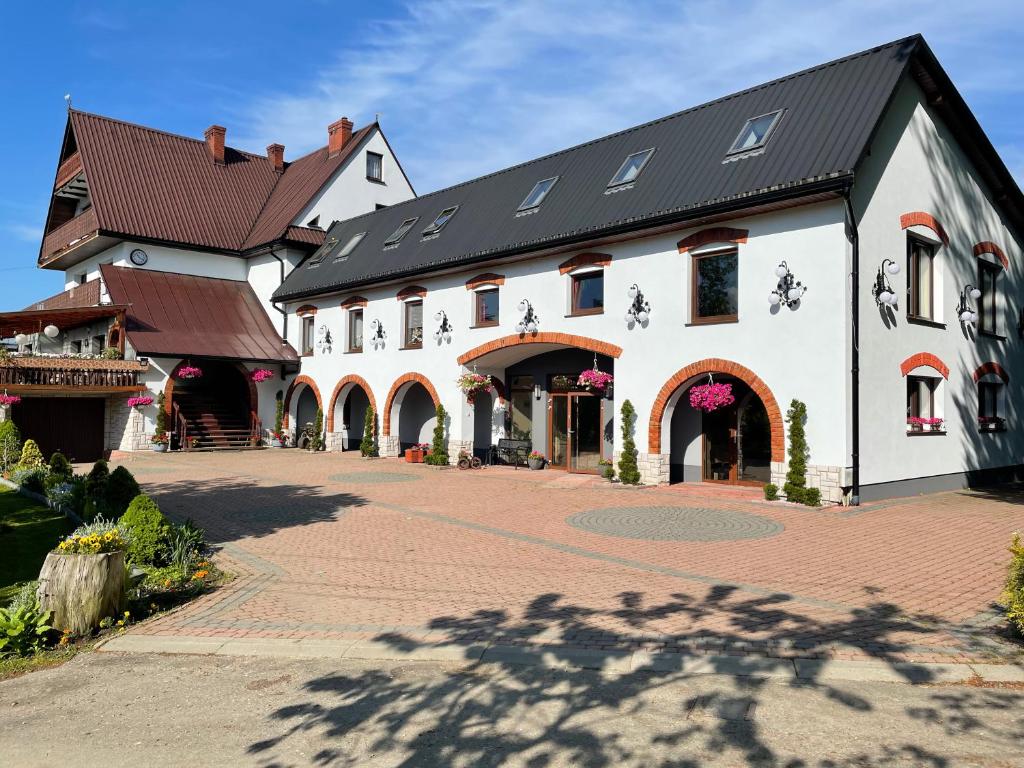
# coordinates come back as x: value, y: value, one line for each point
x: 69, y: 376
x: 68, y: 170
x: 68, y: 235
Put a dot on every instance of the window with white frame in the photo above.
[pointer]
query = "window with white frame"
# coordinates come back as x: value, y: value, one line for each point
x: 924, y: 402
x: 990, y: 404
x: 355, y: 330
x: 412, y: 326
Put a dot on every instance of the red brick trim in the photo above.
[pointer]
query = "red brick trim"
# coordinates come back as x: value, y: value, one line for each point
x: 712, y: 235
x: 360, y: 382
x: 169, y: 388
x: 924, y: 358
x: 487, y: 278
x: 354, y: 301
x: 585, y: 260
x: 565, y: 339
x: 987, y: 246
x: 291, y: 390
x: 922, y: 219
x: 716, y: 365
x: 994, y: 368
x: 410, y: 291
x: 400, y: 382
x: 306, y: 309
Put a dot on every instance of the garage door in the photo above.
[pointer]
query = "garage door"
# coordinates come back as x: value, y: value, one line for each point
x: 71, y: 425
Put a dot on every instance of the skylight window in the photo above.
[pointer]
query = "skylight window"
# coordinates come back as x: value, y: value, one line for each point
x: 350, y: 246
x: 631, y: 168
x: 537, y: 194
x: 321, y: 254
x: 442, y: 218
x: 756, y: 132
x: 401, y: 232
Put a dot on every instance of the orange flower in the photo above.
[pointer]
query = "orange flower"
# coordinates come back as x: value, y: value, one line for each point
x: 199, y: 575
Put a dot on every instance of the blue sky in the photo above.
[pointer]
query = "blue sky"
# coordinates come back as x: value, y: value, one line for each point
x: 462, y: 88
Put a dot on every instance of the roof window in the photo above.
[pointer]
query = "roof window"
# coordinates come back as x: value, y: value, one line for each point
x: 350, y: 246
x: 537, y: 194
x: 401, y: 232
x: 321, y: 253
x: 631, y: 168
x: 442, y: 218
x: 756, y: 132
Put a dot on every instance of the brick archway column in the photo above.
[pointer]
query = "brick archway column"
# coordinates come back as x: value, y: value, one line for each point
x: 401, y: 381
x: 717, y: 365
x: 303, y: 379
x: 346, y: 380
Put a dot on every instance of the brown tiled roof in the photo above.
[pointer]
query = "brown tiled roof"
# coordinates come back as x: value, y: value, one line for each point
x: 156, y: 185
x: 183, y: 315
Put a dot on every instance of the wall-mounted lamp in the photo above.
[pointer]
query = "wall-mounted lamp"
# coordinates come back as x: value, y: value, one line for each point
x: 325, y: 342
x: 20, y: 339
x: 51, y: 331
x: 640, y: 310
x: 882, y: 290
x: 379, y: 336
x: 536, y: 392
x: 789, y: 290
x: 530, y: 319
x: 445, y: 331
x: 964, y: 312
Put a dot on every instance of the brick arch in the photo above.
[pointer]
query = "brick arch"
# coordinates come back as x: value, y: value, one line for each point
x: 400, y: 382
x: 487, y: 278
x: 924, y: 358
x: 350, y: 379
x: 717, y: 365
x: 353, y: 301
x: 987, y: 246
x: 922, y: 219
x: 411, y: 291
x: 541, y: 337
x: 712, y: 235
x: 306, y: 309
x: 169, y: 386
x: 994, y: 368
x: 585, y: 260
x: 291, y: 390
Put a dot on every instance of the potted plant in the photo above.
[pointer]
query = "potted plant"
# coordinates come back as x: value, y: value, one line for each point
x: 711, y: 396
x: 159, y: 442
x: 991, y: 423
x: 417, y: 453
x: 261, y: 374
x: 934, y: 424
x: 278, y: 439
x: 140, y: 402
x: 193, y: 442
x: 536, y: 460
x: 607, y: 469
x: 190, y: 372
x: 473, y: 384
x: 916, y: 424
x: 594, y: 380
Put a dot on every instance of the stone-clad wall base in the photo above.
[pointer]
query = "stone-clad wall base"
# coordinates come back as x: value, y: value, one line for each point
x: 390, y: 445
x: 454, y: 446
x: 829, y: 479
x: 335, y: 441
x: 653, y: 467
x: 124, y: 427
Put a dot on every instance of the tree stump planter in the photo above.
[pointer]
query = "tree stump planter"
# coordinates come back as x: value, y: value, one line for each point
x: 81, y: 590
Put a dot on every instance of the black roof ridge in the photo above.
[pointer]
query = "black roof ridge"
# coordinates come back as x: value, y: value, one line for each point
x: 917, y: 37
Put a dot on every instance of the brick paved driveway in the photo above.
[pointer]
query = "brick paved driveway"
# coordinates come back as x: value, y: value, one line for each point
x: 334, y: 546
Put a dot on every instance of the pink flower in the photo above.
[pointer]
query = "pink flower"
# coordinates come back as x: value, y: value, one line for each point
x: 139, y: 402
x: 6, y: 399
x: 261, y: 374
x: 189, y: 372
x: 594, y: 379
x: 711, y: 397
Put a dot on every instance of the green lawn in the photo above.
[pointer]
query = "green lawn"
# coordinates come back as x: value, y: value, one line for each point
x: 28, y: 530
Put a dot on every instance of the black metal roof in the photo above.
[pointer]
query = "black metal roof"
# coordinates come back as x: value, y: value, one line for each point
x: 830, y: 114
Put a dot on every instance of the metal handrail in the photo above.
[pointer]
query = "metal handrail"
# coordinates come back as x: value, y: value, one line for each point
x: 255, y: 428
x: 182, y: 425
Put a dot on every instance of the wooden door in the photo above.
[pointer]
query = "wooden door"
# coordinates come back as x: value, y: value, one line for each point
x: 71, y: 425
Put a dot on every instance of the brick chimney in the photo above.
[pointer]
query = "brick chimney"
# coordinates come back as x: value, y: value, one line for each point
x: 275, y: 153
x: 338, y: 134
x: 215, y: 143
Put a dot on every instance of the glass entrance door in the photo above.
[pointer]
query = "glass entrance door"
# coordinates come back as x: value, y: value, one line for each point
x: 574, y: 442
x: 720, y: 452
x: 558, y: 432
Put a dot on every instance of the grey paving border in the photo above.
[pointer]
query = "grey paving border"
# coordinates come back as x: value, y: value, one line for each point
x: 571, y: 657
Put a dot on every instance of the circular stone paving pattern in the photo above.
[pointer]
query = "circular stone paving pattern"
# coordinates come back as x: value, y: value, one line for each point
x: 373, y: 478
x: 675, y: 524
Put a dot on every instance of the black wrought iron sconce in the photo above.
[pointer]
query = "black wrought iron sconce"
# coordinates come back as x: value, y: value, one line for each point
x: 789, y: 290
x: 964, y: 312
x: 326, y: 343
x: 444, y: 332
x: 379, y: 336
x: 530, y: 319
x: 640, y: 310
x: 882, y: 290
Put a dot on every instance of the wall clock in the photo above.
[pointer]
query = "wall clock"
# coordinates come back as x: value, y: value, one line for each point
x: 139, y: 257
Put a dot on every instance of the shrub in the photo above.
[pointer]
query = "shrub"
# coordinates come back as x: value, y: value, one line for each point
x: 147, y: 528
x: 278, y: 416
x: 812, y: 497
x: 771, y: 492
x: 33, y: 479
x: 368, y: 446
x: 1013, y: 593
x: 25, y: 597
x: 96, y: 482
x: 608, y: 473
x: 438, y: 455
x: 316, y: 439
x: 10, y: 445
x: 60, y: 491
x: 161, y: 416
x: 629, y: 474
x: 796, y: 478
x: 23, y: 630
x: 31, y: 456
x: 60, y: 466
x: 121, y: 489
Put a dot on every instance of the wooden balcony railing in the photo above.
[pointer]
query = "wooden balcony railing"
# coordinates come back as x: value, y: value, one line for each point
x: 68, y: 233
x: 68, y: 170
x: 68, y: 375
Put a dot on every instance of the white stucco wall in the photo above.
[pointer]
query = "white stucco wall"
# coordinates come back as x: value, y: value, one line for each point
x: 916, y: 165
x: 162, y: 259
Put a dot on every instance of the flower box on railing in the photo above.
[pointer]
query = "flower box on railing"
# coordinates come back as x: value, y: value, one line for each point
x: 923, y: 424
x: 991, y: 424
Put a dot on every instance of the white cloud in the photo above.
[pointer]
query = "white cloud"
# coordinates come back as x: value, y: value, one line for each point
x: 470, y: 87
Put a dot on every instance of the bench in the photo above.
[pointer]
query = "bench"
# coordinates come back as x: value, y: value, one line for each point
x: 513, y: 452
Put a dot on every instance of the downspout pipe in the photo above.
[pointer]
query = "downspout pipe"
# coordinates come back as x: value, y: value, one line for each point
x: 854, y: 238
x: 284, y: 332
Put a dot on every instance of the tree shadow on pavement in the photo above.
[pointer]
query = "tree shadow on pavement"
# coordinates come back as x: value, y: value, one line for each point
x: 655, y: 712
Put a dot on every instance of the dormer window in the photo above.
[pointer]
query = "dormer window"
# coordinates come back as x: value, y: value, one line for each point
x: 442, y: 218
x: 401, y: 232
x: 631, y: 168
x: 756, y: 132
x: 350, y: 246
x: 537, y: 194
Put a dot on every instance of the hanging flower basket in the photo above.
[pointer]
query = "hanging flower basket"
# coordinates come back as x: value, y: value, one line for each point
x: 8, y: 400
x: 190, y: 372
x: 140, y: 402
x: 710, y: 397
x: 595, y: 380
x: 261, y: 374
x: 473, y: 384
